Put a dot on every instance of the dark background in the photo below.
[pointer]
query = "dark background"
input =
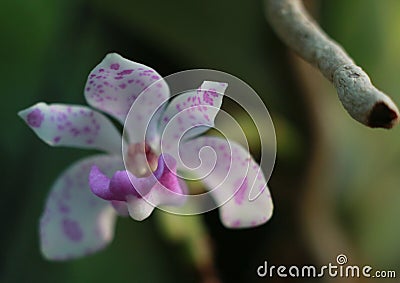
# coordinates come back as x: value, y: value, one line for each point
x: 335, y: 184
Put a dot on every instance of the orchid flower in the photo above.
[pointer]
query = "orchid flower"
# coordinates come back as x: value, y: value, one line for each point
x: 138, y: 170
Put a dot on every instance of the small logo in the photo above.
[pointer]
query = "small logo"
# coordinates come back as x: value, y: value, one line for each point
x: 341, y: 259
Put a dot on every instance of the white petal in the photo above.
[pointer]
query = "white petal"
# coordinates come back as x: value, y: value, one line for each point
x: 194, y: 111
x: 75, y: 222
x: 116, y: 83
x: 76, y: 126
x: 236, y: 181
x: 139, y: 208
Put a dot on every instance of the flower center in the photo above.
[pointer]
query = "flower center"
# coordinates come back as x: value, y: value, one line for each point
x: 141, y: 160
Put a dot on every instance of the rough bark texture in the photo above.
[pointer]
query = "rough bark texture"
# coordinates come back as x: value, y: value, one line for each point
x: 363, y: 101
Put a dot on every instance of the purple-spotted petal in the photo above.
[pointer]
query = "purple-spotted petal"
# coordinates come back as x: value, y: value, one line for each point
x: 194, y: 110
x: 76, y: 223
x: 76, y: 126
x: 236, y: 181
x: 115, y: 84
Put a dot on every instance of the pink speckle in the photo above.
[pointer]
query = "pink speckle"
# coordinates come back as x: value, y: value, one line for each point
x: 240, y: 193
x: 236, y: 223
x: 57, y: 139
x: 125, y: 72
x: 213, y: 92
x: 123, y: 86
x: 63, y: 208
x: 35, y: 118
x: 75, y: 132
x: 208, y: 96
x: 72, y: 230
x: 101, y: 70
x: 114, y: 66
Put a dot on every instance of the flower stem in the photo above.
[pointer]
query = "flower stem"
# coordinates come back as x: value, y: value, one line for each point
x: 363, y: 101
x: 191, y: 232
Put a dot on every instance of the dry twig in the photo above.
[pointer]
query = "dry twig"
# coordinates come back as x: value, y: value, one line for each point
x: 364, y: 102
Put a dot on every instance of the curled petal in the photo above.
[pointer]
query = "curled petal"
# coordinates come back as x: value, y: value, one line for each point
x: 235, y: 180
x: 141, y: 194
x: 169, y: 190
x: 76, y: 126
x: 75, y: 223
x: 116, y: 83
x: 123, y: 183
x: 193, y: 111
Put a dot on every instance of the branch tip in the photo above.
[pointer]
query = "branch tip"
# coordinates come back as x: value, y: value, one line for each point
x: 361, y: 99
x: 382, y: 116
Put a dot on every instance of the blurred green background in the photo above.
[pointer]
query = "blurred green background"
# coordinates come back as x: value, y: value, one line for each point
x: 335, y: 185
